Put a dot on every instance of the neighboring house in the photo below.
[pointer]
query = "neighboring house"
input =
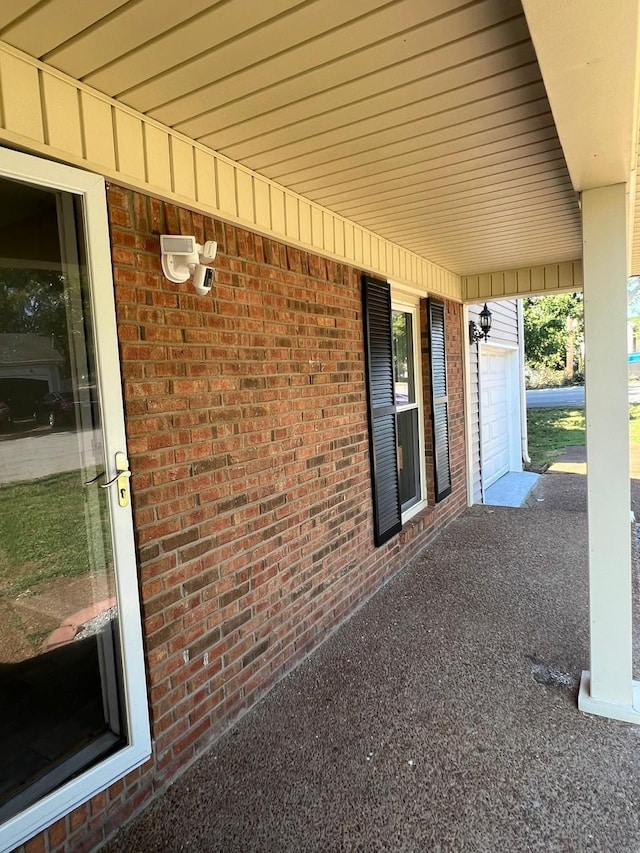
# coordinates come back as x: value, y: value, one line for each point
x: 496, y: 398
x: 633, y: 354
x: 279, y: 447
x: 29, y: 368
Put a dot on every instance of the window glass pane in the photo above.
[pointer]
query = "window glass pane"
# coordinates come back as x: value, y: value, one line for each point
x: 60, y: 667
x: 408, y: 457
x: 403, y: 370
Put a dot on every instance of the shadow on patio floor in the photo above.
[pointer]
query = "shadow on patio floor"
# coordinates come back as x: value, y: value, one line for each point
x: 441, y: 717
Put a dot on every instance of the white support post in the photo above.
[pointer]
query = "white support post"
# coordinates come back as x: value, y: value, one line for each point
x: 608, y: 689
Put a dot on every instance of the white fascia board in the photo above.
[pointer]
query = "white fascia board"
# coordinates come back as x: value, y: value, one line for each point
x: 588, y: 55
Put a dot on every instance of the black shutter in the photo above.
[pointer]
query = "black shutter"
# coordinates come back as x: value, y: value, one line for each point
x: 439, y: 400
x: 376, y: 301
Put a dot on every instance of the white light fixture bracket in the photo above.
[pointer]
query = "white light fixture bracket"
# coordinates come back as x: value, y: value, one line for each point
x: 182, y: 256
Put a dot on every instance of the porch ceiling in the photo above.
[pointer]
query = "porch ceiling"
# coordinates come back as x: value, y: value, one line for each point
x: 427, y: 123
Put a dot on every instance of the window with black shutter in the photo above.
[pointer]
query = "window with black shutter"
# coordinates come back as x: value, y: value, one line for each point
x: 439, y: 400
x: 387, y: 513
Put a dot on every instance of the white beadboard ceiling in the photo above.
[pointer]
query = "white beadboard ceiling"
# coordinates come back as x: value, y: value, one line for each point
x: 425, y: 121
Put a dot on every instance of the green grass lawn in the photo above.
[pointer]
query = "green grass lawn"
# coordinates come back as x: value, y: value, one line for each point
x: 43, y: 531
x: 634, y: 423
x: 551, y: 430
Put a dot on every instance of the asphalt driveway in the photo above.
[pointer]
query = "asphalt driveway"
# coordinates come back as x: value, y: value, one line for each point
x: 32, y: 452
x: 546, y: 398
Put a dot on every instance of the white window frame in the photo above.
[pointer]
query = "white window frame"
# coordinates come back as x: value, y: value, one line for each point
x: 411, y: 305
x: 91, y: 188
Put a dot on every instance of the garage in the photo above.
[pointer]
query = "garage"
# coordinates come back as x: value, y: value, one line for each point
x: 495, y: 404
x: 495, y: 392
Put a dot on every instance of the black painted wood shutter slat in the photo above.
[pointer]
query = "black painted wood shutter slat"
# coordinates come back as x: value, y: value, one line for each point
x: 376, y: 300
x: 439, y: 400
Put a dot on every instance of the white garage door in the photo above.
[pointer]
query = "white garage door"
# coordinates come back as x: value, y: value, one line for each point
x: 496, y: 405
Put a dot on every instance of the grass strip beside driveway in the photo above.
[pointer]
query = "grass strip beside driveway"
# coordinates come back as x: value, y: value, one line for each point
x: 551, y: 430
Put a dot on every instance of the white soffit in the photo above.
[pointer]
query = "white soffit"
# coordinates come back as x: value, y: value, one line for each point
x: 425, y: 122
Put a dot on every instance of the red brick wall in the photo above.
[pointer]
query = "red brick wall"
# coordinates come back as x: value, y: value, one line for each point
x: 247, y: 437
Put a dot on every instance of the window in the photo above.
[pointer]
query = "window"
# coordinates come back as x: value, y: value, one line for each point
x: 408, y: 401
x: 394, y: 386
x: 73, y: 709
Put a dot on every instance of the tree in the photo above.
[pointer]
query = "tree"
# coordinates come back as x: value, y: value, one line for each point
x: 633, y: 296
x: 35, y: 301
x: 553, y: 330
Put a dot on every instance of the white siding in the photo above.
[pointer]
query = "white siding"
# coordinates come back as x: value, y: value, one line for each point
x: 504, y: 320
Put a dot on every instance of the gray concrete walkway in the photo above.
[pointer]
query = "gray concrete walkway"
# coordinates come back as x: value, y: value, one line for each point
x: 442, y: 717
x: 30, y: 452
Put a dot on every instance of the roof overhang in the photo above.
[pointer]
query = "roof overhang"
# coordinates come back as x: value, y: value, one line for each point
x: 424, y: 124
x: 587, y: 51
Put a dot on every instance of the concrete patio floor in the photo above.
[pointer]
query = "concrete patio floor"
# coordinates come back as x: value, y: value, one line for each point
x: 441, y: 717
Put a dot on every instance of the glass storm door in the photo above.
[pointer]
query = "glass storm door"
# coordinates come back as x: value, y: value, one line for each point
x: 63, y: 699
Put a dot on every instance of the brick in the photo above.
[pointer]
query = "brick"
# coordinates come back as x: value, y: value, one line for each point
x: 205, y: 465
x: 36, y: 845
x: 202, y: 579
x: 247, y: 432
x: 235, y: 622
x: 205, y: 642
x: 171, y: 543
x: 194, y: 551
x: 78, y: 818
x: 233, y: 594
x: 255, y: 652
x: 57, y: 833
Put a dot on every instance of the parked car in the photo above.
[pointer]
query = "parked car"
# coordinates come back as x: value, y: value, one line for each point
x: 57, y: 408
x: 6, y: 421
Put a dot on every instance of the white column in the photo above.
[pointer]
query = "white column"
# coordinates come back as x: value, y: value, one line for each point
x: 608, y: 688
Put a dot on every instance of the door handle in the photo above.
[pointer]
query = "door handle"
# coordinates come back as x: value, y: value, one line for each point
x: 123, y: 474
x: 122, y: 477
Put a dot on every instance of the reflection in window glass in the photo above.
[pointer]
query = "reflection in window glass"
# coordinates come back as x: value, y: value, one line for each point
x: 404, y: 374
x: 408, y: 457
x: 407, y: 407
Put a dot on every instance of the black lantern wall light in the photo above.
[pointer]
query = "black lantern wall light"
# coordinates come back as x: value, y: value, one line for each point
x: 478, y: 333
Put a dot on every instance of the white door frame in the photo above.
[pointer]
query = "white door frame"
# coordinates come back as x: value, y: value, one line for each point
x: 91, y: 188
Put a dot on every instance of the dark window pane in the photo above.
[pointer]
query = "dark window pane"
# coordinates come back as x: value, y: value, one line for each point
x: 408, y: 457
x: 403, y: 372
